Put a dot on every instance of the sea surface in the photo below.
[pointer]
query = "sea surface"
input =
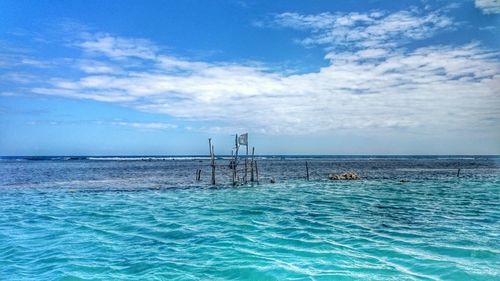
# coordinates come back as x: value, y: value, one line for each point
x: 148, y: 218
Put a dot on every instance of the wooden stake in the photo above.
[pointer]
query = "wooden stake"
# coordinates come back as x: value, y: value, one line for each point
x: 235, y: 167
x: 246, y: 165
x: 256, y: 172
x: 307, y: 171
x: 458, y: 173
x: 198, y: 174
x: 213, y: 164
x: 212, y: 159
x: 251, y: 165
x: 210, y: 147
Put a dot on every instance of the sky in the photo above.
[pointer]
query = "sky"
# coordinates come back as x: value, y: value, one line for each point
x: 301, y: 77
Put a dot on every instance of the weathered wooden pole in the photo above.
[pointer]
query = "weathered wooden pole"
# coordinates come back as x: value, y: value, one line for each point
x: 246, y: 163
x: 235, y: 166
x: 210, y: 147
x: 213, y: 164
x: 256, y: 172
x: 458, y: 173
x: 307, y: 171
x: 198, y: 174
x: 212, y: 159
x: 251, y: 165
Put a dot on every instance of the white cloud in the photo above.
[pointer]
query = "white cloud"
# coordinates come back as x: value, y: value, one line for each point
x: 117, y: 47
x: 438, y: 88
x: 34, y: 62
x: 298, y: 21
x: 20, y: 78
x: 8, y: 94
x: 457, y: 85
x: 365, y: 30
x: 13, y: 60
x: 488, y: 6
x: 145, y: 125
x: 93, y: 67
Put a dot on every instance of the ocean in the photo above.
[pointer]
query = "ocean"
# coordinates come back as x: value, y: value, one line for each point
x: 148, y: 218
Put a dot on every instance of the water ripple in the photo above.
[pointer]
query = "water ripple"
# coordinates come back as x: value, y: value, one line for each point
x: 296, y: 230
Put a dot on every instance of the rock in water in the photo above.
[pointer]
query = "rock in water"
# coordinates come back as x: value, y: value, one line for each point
x: 345, y: 176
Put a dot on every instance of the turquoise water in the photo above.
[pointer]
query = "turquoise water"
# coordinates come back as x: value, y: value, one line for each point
x: 446, y: 228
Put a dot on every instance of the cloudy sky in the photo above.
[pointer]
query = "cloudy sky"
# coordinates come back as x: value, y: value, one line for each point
x: 302, y: 77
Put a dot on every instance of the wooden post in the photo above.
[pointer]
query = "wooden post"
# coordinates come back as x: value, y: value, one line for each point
x: 458, y: 173
x: 198, y: 174
x: 213, y: 164
x: 256, y: 172
x: 246, y: 165
x: 235, y: 167
x: 212, y: 159
x: 307, y: 171
x: 210, y: 147
x: 251, y: 165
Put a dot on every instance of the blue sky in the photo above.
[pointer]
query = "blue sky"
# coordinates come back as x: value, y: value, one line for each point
x: 302, y: 77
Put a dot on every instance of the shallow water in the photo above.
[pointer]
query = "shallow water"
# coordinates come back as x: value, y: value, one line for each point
x: 138, y: 220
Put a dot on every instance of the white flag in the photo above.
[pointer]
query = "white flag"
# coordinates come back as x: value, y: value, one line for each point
x: 243, y: 139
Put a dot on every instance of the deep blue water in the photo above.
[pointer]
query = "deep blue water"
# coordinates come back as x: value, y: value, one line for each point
x: 147, y: 218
